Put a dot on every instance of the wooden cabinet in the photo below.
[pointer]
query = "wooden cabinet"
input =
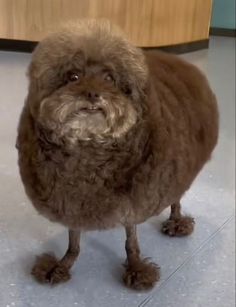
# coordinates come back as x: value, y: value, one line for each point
x: 148, y: 23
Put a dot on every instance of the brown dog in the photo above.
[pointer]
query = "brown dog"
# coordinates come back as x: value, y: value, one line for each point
x: 110, y: 136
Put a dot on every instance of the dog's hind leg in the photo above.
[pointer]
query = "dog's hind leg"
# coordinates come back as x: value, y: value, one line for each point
x: 178, y: 225
x: 48, y: 269
x: 140, y: 274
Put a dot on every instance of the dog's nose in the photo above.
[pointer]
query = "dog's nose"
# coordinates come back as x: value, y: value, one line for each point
x: 91, y: 95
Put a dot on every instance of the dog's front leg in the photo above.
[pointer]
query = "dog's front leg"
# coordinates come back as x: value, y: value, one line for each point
x: 48, y: 269
x: 140, y: 274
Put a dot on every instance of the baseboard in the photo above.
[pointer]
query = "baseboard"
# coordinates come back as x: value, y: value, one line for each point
x: 28, y: 46
x: 222, y: 32
x: 17, y: 45
x: 183, y: 48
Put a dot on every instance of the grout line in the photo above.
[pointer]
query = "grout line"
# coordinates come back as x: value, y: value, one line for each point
x: 188, y: 259
x: 145, y: 301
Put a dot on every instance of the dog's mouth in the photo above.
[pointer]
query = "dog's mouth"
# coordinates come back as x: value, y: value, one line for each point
x: 90, y: 110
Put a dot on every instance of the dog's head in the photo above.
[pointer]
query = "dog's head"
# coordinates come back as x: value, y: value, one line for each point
x: 87, y: 82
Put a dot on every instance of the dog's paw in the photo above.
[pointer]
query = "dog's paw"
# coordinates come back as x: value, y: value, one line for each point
x: 178, y: 227
x: 48, y: 269
x: 141, y: 275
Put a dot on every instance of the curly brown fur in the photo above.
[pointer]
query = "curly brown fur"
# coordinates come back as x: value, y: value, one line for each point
x: 48, y: 269
x: 141, y: 275
x: 110, y: 135
x: 178, y: 225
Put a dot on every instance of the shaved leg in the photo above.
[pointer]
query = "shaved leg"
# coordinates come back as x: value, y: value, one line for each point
x: 140, y: 274
x: 175, y: 212
x: 131, y: 244
x: 178, y: 225
x: 73, y: 249
x: 48, y: 269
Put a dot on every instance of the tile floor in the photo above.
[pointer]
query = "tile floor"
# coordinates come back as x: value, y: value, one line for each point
x: 196, y: 271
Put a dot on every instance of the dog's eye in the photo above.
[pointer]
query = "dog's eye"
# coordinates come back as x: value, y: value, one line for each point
x: 109, y: 78
x: 73, y: 76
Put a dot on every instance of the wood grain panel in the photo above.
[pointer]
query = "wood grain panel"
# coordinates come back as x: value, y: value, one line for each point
x: 146, y: 22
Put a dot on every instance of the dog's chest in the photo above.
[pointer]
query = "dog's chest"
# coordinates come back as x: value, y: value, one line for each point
x: 76, y: 192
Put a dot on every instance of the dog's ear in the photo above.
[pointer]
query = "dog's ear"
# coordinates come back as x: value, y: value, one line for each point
x: 139, y: 76
x: 150, y: 89
x: 151, y: 102
x: 35, y: 93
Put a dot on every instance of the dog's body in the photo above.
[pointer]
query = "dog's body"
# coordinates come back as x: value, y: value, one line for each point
x: 104, y: 173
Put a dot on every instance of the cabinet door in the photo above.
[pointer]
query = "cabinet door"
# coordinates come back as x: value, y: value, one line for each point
x: 146, y: 22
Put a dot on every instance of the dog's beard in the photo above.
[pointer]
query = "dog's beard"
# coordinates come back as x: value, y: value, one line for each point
x: 74, y: 119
